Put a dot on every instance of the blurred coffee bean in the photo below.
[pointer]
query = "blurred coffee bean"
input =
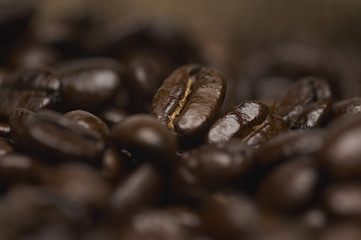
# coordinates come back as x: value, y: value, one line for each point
x: 32, y: 100
x: 89, y: 121
x: 78, y: 183
x: 231, y: 216
x: 216, y: 165
x: 4, y: 129
x: 15, y: 168
x: 290, y: 187
x: 142, y: 188
x: 17, y: 123
x: 6, y: 147
x: 341, y: 231
x: 114, y: 164
x: 271, y: 87
x: 154, y: 224
x: 51, y: 136
x: 143, y: 131
x: 307, y: 103
x: 342, y: 200
x: 288, y: 145
x: 113, y: 115
x: 189, y: 99
x: 237, y: 122
x: 346, y: 108
x: 91, y: 83
x: 340, y: 154
x: 33, y: 79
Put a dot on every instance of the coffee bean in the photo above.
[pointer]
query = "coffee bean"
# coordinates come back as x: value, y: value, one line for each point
x: 290, y: 187
x: 90, y: 83
x: 140, y: 189
x: 237, y: 122
x: 346, y: 108
x: 90, y: 121
x: 51, y: 136
x: 5, y: 147
x: 288, y: 145
x: 143, y: 131
x: 342, y: 200
x: 114, y: 164
x: 307, y: 103
x: 189, y: 99
x: 339, y: 157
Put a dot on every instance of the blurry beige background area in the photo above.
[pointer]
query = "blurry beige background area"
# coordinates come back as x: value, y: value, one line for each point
x: 335, y: 19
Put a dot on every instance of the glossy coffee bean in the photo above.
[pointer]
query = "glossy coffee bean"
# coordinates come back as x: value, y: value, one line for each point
x: 288, y: 145
x: 42, y: 80
x: 216, y: 165
x: 342, y: 200
x: 51, y: 136
x: 307, y: 103
x: 237, y: 122
x: 265, y: 131
x: 6, y: 147
x: 89, y: 121
x: 78, y: 183
x: 10, y: 99
x: 90, y: 83
x: 189, y: 99
x: 4, y: 129
x: 142, y: 188
x: 346, y: 108
x: 113, y: 164
x: 143, y: 131
x: 340, y: 155
x: 289, y: 187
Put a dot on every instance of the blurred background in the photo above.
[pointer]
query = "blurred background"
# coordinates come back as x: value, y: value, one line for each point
x: 338, y: 20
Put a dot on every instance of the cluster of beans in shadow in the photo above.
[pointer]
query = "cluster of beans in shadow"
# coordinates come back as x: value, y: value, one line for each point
x: 126, y: 131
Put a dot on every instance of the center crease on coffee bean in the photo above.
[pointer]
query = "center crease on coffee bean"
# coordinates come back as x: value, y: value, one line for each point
x: 181, y: 103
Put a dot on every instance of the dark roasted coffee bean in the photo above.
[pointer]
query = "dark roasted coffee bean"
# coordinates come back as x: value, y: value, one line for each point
x: 343, y: 200
x: 5, y: 147
x: 346, y: 108
x: 237, y: 122
x: 265, y: 131
x: 154, y: 224
x: 89, y: 121
x: 189, y: 99
x: 307, y: 103
x: 51, y: 136
x: 15, y: 168
x: 215, y: 165
x: 140, y: 189
x: 79, y: 183
x: 10, y: 99
x: 42, y: 80
x: 230, y: 216
x: 4, y: 129
x: 340, y: 155
x: 288, y: 145
x: 17, y: 123
x: 186, y: 217
x: 113, y: 164
x: 113, y: 115
x: 90, y: 83
x: 145, y: 132
x: 290, y: 187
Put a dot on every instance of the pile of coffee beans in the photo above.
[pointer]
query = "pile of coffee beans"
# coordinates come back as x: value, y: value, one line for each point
x: 126, y: 130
